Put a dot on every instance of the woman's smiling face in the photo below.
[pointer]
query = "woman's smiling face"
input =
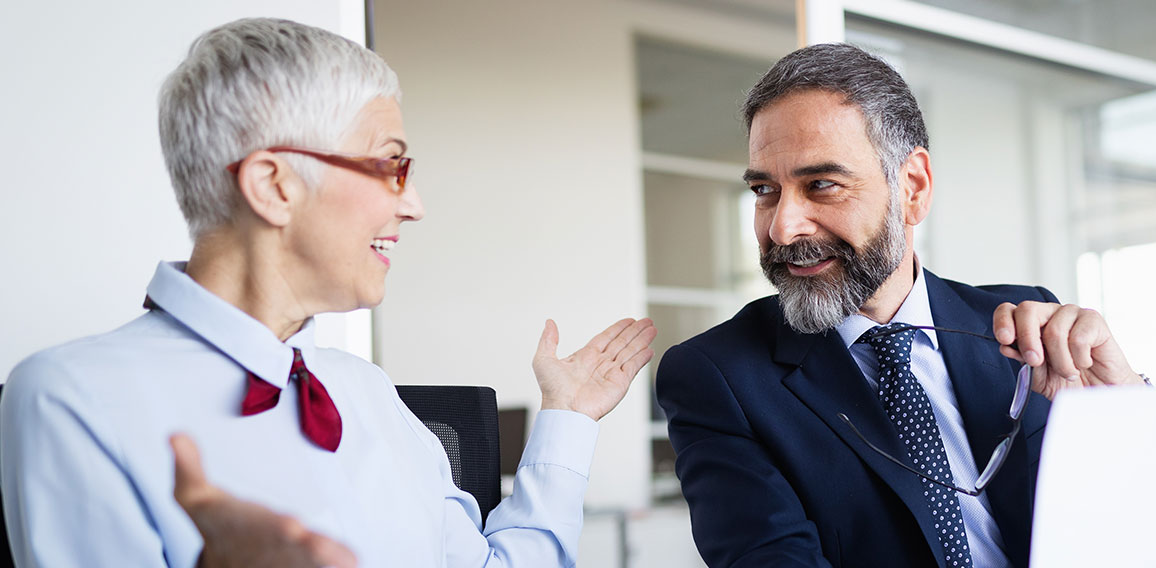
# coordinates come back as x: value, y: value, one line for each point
x: 344, y: 231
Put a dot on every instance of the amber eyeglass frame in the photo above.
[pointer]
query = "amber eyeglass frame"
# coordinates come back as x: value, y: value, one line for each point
x: 381, y: 168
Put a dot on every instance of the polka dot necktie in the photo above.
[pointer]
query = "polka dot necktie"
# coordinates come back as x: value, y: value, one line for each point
x: 910, y: 411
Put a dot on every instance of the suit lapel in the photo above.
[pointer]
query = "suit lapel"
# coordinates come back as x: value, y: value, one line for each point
x: 828, y: 382
x: 984, y: 383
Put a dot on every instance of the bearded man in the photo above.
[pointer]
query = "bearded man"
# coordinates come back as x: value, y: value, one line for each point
x: 831, y: 425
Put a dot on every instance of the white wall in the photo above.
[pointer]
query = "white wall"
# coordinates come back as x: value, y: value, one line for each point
x: 87, y: 206
x: 521, y: 119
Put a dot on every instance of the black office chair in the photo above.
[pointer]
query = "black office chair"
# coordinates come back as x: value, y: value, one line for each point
x: 5, y: 548
x: 465, y: 420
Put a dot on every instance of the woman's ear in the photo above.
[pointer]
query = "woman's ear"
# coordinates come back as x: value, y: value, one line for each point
x: 915, y: 186
x: 268, y: 186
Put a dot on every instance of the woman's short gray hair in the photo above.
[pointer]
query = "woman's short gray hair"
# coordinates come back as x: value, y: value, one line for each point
x: 894, y: 122
x: 252, y: 84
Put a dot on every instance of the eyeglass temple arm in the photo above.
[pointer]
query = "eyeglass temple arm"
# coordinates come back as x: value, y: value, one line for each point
x: 937, y: 328
x: 360, y: 163
x: 879, y: 451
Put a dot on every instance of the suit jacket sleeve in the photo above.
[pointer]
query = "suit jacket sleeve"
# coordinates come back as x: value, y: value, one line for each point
x: 743, y: 511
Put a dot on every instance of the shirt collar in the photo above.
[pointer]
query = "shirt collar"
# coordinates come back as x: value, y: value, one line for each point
x: 915, y: 310
x: 223, y: 325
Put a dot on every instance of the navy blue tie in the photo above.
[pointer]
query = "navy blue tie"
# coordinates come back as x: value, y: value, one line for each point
x: 909, y: 409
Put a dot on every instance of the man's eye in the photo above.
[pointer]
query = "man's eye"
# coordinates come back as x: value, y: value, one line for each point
x: 762, y: 189
x: 823, y: 184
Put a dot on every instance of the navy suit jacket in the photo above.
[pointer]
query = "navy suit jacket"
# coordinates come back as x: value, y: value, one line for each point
x: 774, y: 478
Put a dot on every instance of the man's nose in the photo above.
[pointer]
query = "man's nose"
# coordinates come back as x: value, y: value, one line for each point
x: 792, y: 219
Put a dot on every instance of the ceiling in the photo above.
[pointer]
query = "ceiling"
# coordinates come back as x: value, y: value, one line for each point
x: 1119, y: 25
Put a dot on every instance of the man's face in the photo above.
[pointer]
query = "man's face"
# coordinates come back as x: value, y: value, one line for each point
x: 830, y: 229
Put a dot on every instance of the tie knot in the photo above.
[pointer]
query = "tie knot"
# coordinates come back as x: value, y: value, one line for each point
x: 892, y: 343
x: 298, y: 367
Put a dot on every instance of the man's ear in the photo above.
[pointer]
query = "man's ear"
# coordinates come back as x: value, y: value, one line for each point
x: 268, y: 186
x: 915, y: 186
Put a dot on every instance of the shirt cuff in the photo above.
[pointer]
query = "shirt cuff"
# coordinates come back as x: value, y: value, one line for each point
x: 562, y: 438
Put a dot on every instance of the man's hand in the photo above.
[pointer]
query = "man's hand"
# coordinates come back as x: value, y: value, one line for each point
x: 594, y: 379
x: 242, y: 534
x: 1066, y: 346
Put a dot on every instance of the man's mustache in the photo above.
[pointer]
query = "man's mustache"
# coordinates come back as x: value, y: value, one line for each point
x: 808, y: 250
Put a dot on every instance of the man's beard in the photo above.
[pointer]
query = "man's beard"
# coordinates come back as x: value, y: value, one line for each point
x: 813, y: 304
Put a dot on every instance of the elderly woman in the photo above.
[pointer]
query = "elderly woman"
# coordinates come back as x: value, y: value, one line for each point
x: 287, y: 152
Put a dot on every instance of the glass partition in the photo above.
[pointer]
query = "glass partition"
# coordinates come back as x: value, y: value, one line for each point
x: 702, y: 259
x: 1044, y: 174
x: 1124, y: 26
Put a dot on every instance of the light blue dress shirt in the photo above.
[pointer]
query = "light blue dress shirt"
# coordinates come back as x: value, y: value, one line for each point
x: 983, y: 536
x: 88, y: 473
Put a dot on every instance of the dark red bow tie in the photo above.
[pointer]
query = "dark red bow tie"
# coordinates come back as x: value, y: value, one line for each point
x: 319, y: 418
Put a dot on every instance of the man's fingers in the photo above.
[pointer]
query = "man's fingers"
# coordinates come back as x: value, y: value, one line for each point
x: 1011, y: 353
x: 1067, y: 346
x: 1040, y: 380
x: 191, y: 485
x: 1003, y: 324
x: 1055, y: 335
x: 1088, y: 332
x: 1029, y: 318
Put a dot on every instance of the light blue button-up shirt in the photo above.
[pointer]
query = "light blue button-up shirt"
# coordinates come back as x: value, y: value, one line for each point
x: 983, y: 536
x: 88, y: 474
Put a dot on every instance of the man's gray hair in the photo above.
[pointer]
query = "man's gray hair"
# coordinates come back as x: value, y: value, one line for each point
x: 894, y: 122
x: 252, y: 84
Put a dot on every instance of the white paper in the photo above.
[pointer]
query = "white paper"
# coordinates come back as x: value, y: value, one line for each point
x: 1096, y: 492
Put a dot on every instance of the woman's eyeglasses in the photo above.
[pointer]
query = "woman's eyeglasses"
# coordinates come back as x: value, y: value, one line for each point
x: 381, y: 168
x: 999, y: 456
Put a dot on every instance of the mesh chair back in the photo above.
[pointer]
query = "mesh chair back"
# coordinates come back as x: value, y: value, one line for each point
x: 465, y: 420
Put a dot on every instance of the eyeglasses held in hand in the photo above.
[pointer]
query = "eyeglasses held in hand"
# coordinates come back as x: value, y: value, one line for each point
x: 999, y: 456
x: 381, y: 168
